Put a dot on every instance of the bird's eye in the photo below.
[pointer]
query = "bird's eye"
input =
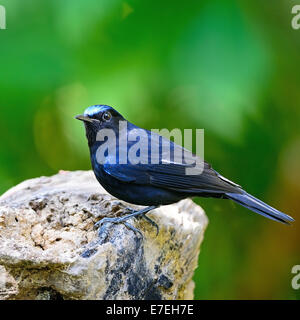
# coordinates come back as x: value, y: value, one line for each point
x: 106, y: 116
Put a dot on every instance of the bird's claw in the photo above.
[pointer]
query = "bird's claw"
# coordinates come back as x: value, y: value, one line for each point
x: 135, y: 230
x: 100, y: 224
x: 136, y: 214
x: 153, y: 223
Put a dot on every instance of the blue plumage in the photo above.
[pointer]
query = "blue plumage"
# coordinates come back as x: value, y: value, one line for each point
x: 164, y: 182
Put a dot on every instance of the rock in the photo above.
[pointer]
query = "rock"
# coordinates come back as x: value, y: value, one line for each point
x: 50, y: 249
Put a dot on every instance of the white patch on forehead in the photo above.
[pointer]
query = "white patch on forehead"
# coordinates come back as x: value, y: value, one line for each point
x: 91, y: 111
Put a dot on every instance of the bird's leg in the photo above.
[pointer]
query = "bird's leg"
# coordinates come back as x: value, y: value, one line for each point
x: 136, y: 214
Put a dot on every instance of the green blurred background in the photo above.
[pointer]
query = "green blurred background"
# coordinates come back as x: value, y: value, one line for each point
x: 231, y: 67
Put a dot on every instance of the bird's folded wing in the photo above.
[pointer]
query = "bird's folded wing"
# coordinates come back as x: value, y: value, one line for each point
x: 172, y: 176
x: 176, y: 178
x: 170, y: 173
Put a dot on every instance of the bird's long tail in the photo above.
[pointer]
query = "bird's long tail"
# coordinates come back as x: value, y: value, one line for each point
x: 245, y: 199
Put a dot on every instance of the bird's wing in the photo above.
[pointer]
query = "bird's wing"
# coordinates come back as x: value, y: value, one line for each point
x: 171, y: 170
x: 173, y: 177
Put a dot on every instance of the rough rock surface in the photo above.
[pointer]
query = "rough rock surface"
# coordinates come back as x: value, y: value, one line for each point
x: 50, y: 250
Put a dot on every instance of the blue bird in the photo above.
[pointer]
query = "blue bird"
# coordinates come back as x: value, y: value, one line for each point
x: 154, y: 184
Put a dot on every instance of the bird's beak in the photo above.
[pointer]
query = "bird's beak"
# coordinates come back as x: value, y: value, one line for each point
x: 83, y: 118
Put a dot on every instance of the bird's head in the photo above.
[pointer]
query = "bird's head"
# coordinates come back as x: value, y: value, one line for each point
x: 99, y: 117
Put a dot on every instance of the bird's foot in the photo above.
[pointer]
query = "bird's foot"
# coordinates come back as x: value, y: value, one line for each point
x: 142, y: 215
x: 136, y: 214
x: 103, y: 222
